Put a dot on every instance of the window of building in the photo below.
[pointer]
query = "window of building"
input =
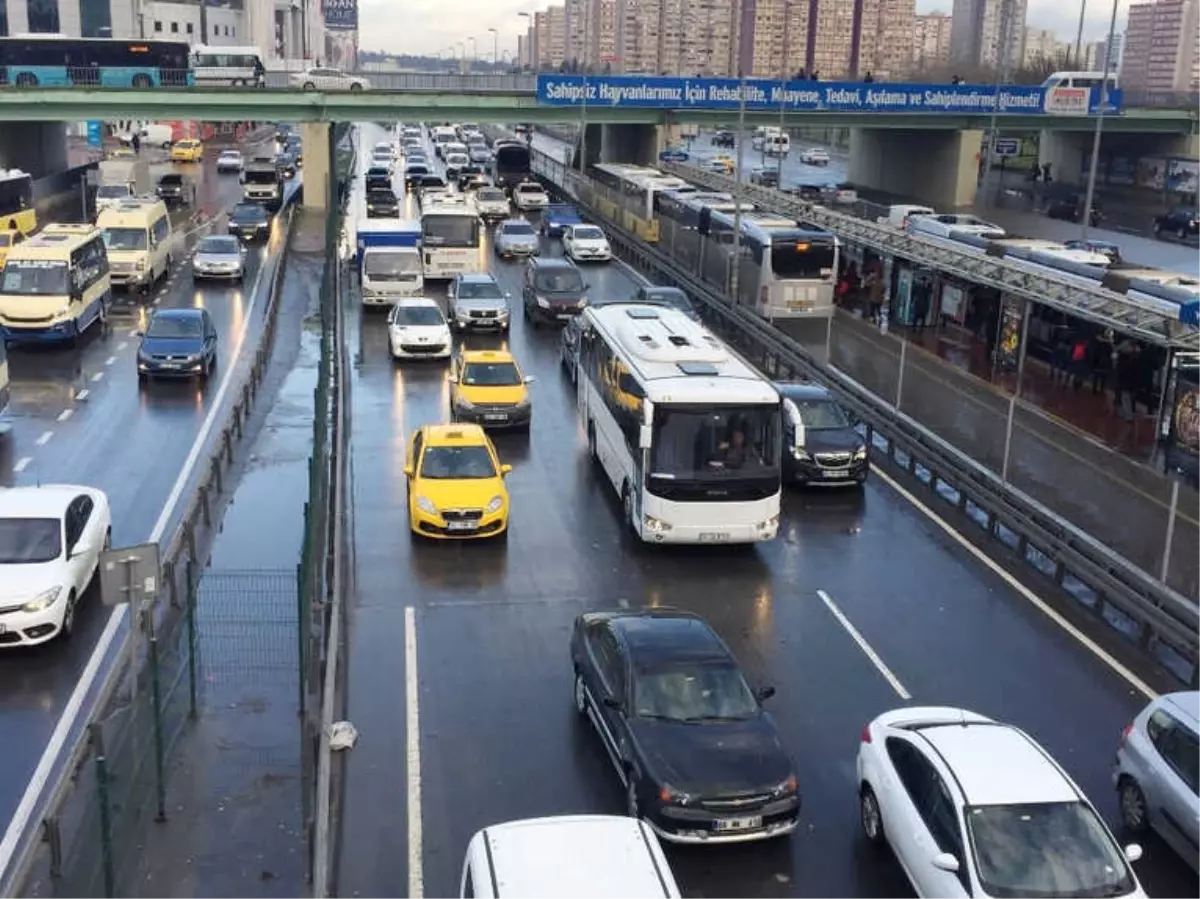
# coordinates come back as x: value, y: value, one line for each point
x: 216, y: 31
x: 174, y: 28
x: 158, y: 27
x: 3, y: 19
x: 95, y: 18
x: 43, y: 16
x: 190, y: 30
x: 226, y: 31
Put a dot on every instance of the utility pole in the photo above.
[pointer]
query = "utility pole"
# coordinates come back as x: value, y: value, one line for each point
x: 737, y: 190
x: 495, y: 47
x: 1086, y: 221
x: 1004, y: 41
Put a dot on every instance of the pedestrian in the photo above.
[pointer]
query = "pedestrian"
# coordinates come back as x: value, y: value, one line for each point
x: 869, y: 79
x: 921, y: 298
x: 1127, y: 376
x: 875, y: 285
x: 1100, y: 354
x: 136, y: 142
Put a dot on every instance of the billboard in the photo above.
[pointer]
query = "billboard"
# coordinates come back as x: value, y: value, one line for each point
x: 648, y: 91
x: 340, y: 15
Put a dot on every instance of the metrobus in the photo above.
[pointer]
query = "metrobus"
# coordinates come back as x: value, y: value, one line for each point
x: 17, y: 212
x: 688, y: 434
x: 635, y: 191
x: 452, y: 238
x: 679, y: 221
x: 52, y: 61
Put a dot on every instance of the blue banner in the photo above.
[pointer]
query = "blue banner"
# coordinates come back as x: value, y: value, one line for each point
x: 95, y: 133
x: 340, y: 15
x: 638, y: 91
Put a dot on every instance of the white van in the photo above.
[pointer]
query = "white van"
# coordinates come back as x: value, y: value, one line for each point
x: 897, y: 216
x: 153, y: 134
x: 568, y: 857
x: 777, y: 144
x: 137, y: 233
x: 228, y: 67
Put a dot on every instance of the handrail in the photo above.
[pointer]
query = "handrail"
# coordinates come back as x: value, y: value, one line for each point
x: 1160, y: 613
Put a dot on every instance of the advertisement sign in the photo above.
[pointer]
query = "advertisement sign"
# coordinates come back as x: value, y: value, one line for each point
x: 653, y: 92
x: 1009, y: 347
x: 953, y: 306
x: 902, y: 307
x: 95, y: 133
x: 1151, y: 172
x: 340, y: 15
x: 1182, y: 175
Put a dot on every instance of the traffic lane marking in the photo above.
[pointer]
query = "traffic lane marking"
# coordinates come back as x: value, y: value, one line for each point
x: 867, y: 649
x: 416, y: 877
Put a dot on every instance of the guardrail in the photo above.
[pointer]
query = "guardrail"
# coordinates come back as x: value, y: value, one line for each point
x: 55, y: 825
x: 1116, y: 592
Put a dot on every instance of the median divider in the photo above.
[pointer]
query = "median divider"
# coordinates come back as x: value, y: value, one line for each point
x: 1158, y: 625
x: 104, y: 774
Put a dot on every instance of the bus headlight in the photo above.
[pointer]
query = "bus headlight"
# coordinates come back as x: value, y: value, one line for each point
x: 140, y: 265
x: 653, y: 524
x: 770, y: 524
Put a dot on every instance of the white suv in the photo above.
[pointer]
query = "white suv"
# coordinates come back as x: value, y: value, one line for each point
x: 974, y: 807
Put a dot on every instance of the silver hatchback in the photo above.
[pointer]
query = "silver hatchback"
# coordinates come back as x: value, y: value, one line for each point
x: 1156, y: 772
x: 515, y: 237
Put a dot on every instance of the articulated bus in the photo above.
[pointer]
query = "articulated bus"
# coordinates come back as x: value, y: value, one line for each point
x: 17, y: 212
x: 632, y: 193
x: 452, y: 238
x: 51, y: 61
x: 685, y: 430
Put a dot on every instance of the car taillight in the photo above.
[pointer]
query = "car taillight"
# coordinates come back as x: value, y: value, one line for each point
x: 865, y: 736
x: 1126, y: 732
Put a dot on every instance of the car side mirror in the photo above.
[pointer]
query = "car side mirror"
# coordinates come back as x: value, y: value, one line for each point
x: 508, y: 295
x: 529, y: 379
x: 764, y: 693
x: 945, y: 861
x: 408, y: 471
x: 612, y: 702
x: 505, y: 469
x: 1133, y: 852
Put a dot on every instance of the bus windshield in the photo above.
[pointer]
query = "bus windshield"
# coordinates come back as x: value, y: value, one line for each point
x: 691, y: 443
x: 450, y: 230
x: 24, y: 277
x: 16, y: 193
x: 793, y: 258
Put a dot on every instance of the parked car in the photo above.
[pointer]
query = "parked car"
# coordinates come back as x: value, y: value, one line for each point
x: 1182, y: 222
x: 177, y: 343
x: 328, y: 79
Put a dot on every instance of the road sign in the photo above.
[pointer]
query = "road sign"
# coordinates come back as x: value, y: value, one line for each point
x: 129, y: 573
x: 1007, y: 146
x: 95, y: 133
x: 673, y: 156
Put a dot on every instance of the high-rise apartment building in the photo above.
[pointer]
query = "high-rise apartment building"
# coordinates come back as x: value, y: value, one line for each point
x: 602, y: 35
x: 980, y: 28
x: 931, y: 42
x: 894, y: 39
x: 1043, y: 46
x: 637, y: 36
x: 1161, y: 52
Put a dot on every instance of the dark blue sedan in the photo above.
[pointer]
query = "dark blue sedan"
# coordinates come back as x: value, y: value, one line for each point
x: 179, y: 343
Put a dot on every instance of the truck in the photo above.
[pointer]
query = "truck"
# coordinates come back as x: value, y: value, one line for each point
x: 557, y: 217
x: 510, y: 164
x: 262, y: 183
x: 389, y: 260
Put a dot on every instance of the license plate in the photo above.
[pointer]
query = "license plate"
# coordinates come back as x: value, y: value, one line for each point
x: 170, y: 365
x: 714, y: 537
x: 800, y: 304
x: 461, y: 525
x: 729, y: 824
x: 837, y: 474
x: 565, y: 318
x: 500, y: 417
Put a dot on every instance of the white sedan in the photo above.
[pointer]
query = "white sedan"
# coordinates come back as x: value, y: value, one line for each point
x: 974, y: 807
x: 230, y: 161
x: 325, y: 79
x: 417, y: 329
x: 51, y: 538
x: 530, y: 195
x: 586, y: 243
x: 814, y: 156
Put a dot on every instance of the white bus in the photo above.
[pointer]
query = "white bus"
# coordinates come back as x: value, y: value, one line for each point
x: 228, y: 67
x: 686, y: 431
x: 636, y: 188
x: 452, y: 238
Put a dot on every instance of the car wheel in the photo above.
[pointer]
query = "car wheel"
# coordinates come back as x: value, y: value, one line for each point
x: 68, y: 622
x: 580, y: 695
x: 631, y: 798
x: 591, y: 439
x: 1133, y: 806
x: 870, y: 816
x: 355, y: 87
x: 309, y: 86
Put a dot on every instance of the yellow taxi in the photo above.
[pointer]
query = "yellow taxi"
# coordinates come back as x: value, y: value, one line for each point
x: 723, y: 161
x: 455, y: 483
x: 487, y: 388
x: 187, y: 151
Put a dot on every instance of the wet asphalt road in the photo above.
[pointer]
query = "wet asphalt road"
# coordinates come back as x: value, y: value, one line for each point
x: 498, y: 736
x: 78, y: 416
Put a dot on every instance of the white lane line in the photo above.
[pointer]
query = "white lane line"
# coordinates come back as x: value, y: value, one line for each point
x: 416, y: 877
x: 868, y: 651
x: 22, y: 463
x: 66, y: 725
x: 97, y: 376
x: 82, y: 395
x: 1088, y: 643
x: 110, y: 360
x: 122, y: 345
x: 64, y: 415
x: 45, y: 438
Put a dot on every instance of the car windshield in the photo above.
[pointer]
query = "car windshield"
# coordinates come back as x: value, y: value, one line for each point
x: 454, y: 463
x: 1045, y: 849
x: 565, y: 281
x: 587, y: 233
x: 695, y: 693
x: 491, y: 374
x: 126, y: 238
x: 221, y: 246
x: 478, y: 290
x: 490, y: 194
x: 385, y: 266
x: 522, y: 229
x: 170, y: 181
x: 417, y: 315
x: 249, y: 212
x: 29, y: 541
x: 817, y: 415
x: 175, y: 327
x: 230, y: 154
x: 381, y: 195
x: 529, y: 189
x: 110, y: 191
x: 692, y: 443
x: 34, y: 278
x: 416, y: 170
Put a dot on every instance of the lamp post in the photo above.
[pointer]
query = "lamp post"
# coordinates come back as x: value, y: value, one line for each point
x: 495, y: 47
x: 529, y: 49
x: 1004, y: 43
x: 474, y: 54
x: 1104, y: 82
x: 1079, y: 32
x: 737, y: 190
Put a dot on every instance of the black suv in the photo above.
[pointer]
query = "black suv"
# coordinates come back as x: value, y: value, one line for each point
x: 1181, y: 222
x: 174, y: 189
x: 820, y: 442
x: 553, y: 290
x: 250, y: 222
x: 382, y: 202
x: 723, y: 139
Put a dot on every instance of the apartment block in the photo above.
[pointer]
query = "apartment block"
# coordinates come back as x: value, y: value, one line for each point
x: 894, y: 37
x: 931, y: 41
x: 981, y: 28
x: 1043, y: 46
x: 1161, y: 52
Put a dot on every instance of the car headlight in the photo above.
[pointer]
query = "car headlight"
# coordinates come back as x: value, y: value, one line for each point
x: 860, y: 454
x: 668, y: 793
x: 463, y: 403
x: 194, y: 357
x: 788, y: 788
x: 801, y: 454
x: 583, y: 301
x: 43, y: 600
x: 543, y: 302
x: 425, y: 504
x: 494, y: 504
x: 141, y: 265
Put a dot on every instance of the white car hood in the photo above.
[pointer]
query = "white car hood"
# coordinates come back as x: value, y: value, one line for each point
x: 21, y: 583
x: 420, y: 332
x: 590, y: 244
x: 531, y: 197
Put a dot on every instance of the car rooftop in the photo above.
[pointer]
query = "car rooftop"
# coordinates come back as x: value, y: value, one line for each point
x: 417, y: 301
x: 487, y: 356
x: 997, y: 764
x: 177, y: 313
x: 454, y: 435
x: 551, y: 262
x: 476, y: 277
x: 37, y: 502
x: 665, y: 635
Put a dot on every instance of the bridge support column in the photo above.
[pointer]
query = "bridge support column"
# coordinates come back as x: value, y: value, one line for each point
x: 940, y: 168
x: 1069, y: 153
x: 317, y: 164
x: 39, y: 148
x: 631, y: 144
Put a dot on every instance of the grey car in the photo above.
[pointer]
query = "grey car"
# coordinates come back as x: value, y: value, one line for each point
x: 476, y: 301
x: 218, y: 256
x: 479, y: 153
x: 516, y: 237
x: 1156, y: 772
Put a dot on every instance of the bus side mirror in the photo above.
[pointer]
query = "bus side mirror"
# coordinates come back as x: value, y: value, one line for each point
x: 645, y: 434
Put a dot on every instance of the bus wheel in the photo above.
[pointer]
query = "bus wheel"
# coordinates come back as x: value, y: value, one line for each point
x: 627, y: 508
x: 591, y: 437
x: 142, y: 80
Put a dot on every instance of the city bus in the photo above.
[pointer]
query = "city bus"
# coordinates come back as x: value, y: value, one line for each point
x: 634, y: 192
x: 49, y: 61
x: 452, y: 238
x: 17, y: 212
x: 688, y: 434
x: 55, y: 285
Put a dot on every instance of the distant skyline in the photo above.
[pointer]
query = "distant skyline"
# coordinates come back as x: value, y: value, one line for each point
x: 427, y: 26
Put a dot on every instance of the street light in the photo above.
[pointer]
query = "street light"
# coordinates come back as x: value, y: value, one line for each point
x: 495, y: 47
x: 1104, y: 80
x: 528, y: 42
x: 474, y: 53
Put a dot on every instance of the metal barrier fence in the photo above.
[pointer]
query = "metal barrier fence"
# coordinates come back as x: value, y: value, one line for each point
x: 74, y: 831
x: 1160, y: 624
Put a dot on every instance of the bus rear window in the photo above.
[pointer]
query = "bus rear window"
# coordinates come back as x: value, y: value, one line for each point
x: 802, y: 259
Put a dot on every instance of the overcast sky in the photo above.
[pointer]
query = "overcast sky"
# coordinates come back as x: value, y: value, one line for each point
x: 425, y: 26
